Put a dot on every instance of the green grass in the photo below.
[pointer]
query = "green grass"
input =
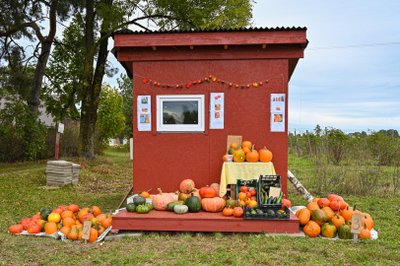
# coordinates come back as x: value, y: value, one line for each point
x: 105, y: 181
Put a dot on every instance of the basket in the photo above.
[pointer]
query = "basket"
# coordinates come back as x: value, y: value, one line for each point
x: 264, y: 183
x: 265, y: 213
x: 250, y: 183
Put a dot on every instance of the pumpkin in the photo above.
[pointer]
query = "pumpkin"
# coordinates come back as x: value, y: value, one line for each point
x: 95, y: 210
x: 303, y: 215
x: 335, y: 204
x: 312, y: 229
x: 338, y: 220
x: 66, y: 214
x: 145, y: 194
x: 246, y: 150
x: 54, y: 217
x: 238, y: 212
x: 107, y: 222
x: 193, y: 203
x: 312, y: 206
x: 347, y: 213
x: 230, y: 203
x: 73, y: 233
x: 207, y: 192
x: 234, y: 146
x: 172, y: 204
x: 364, y: 233
x: 247, y: 144
x: 65, y: 230
x: 15, y: 229
x: 34, y: 228
x: 227, y: 211
x: 44, y: 213
x: 180, y: 209
x: 252, y: 156
x: 73, y: 207
x: 265, y: 155
x: 93, y: 235
x: 183, y: 196
x: 329, y: 213
x: 239, y: 156
x: 215, y: 186
x: 186, y: 186
x: 319, y: 216
x: 50, y: 228
x: 161, y: 200
x: 322, y: 202
x: 139, y: 200
x: 215, y: 204
x: 328, y: 230
x: 130, y: 207
x: 344, y: 232
x: 368, y: 221
x: 196, y: 193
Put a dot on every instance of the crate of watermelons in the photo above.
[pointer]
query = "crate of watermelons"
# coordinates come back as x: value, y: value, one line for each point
x: 267, y: 213
x: 264, y: 195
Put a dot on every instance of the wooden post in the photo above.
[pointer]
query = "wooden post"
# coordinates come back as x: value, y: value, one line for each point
x: 57, y: 146
x: 356, y: 225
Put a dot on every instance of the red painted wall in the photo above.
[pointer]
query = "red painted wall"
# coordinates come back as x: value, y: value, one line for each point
x: 164, y: 159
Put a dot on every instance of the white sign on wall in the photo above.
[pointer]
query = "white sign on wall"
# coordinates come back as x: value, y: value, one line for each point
x: 144, y: 113
x: 217, y: 110
x: 278, y: 101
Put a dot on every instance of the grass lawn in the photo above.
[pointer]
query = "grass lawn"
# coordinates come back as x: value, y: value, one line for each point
x: 104, y: 182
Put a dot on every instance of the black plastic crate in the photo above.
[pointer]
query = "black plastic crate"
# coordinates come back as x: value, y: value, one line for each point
x: 266, y: 213
x: 264, y: 182
x: 251, y: 183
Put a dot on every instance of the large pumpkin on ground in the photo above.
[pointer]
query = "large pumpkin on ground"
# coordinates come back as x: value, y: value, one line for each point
x: 215, y: 204
x: 186, y: 186
x: 312, y: 229
x: 303, y: 215
x: 15, y: 229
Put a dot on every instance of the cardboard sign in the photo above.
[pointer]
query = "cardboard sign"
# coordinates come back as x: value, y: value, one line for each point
x: 274, y: 192
x: 356, y: 223
x: 86, y: 230
x: 233, y: 139
x: 60, y: 128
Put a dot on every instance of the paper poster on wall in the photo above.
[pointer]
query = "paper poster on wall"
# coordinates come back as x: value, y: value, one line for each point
x: 144, y: 113
x: 217, y: 110
x: 278, y: 112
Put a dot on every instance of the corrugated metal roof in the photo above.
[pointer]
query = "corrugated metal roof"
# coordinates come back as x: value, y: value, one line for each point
x: 243, y: 29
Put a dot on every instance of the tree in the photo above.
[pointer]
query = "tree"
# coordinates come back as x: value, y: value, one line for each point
x: 104, y: 17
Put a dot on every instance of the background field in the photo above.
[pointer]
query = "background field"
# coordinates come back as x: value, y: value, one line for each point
x: 104, y: 182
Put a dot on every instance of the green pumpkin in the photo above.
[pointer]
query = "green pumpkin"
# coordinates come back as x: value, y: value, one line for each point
x: 193, y: 203
x: 130, y: 207
x: 319, y: 216
x: 139, y: 200
x: 231, y: 203
x: 142, y: 209
x: 344, y: 232
x: 181, y: 209
x: 171, y: 205
x: 149, y: 205
x: 44, y: 213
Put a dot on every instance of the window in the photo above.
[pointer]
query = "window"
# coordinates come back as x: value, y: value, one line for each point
x: 180, y: 113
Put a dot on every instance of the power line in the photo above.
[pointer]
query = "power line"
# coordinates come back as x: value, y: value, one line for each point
x: 356, y: 46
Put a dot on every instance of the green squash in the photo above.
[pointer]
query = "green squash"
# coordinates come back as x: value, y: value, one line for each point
x: 130, y: 207
x: 193, y: 203
x: 44, y: 213
x: 344, y: 232
x: 319, y: 216
x: 149, y: 205
x: 142, y: 209
x: 231, y: 203
x: 181, y: 209
x: 171, y: 205
x: 139, y: 200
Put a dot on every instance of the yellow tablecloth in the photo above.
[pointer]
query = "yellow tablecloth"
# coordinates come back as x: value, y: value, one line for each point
x: 232, y: 171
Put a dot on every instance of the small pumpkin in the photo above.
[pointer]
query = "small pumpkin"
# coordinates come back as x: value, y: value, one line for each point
x: 215, y: 186
x: 347, y: 214
x: 247, y: 144
x: 15, y: 229
x: 207, y: 192
x: 364, y: 233
x: 145, y: 194
x: 50, y: 228
x: 329, y: 213
x: 323, y: 202
x: 335, y: 204
x: 186, y: 186
x: 215, y: 204
x: 231, y: 203
x: 171, y: 205
x: 368, y: 221
x: 193, y: 203
x: 265, y: 155
x: 227, y: 211
x: 344, y: 232
x: 303, y: 215
x: 34, y: 228
x: 180, y: 209
x: 238, y: 212
x: 239, y: 156
x: 338, y: 220
x: 312, y: 206
x: 319, y: 216
x: 252, y: 156
x: 139, y: 200
x: 130, y: 207
x: 93, y: 235
x: 312, y: 229
x: 328, y: 230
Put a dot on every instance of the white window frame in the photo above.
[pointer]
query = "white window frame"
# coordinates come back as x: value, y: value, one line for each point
x: 180, y: 127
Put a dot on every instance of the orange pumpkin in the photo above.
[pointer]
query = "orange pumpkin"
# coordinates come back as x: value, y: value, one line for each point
x: 215, y: 186
x: 246, y: 150
x: 15, y: 229
x: 50, y: 228
x: 96, y: 210
x: 312, y: 206
x: 303, y: 215
x: 338, y: 220
x: 364, y: 233
x: 319, y: 216
x: 107, y: 222
x: 34, y: 228
x: 93, y: 235
x: 252, y: 156
x: 186, y: 186
x: 265, y: 155
x: 207, y: 192
x: 73, y: 234
x: 65, y: 230
x: 215, y: 204
x: 368, y: 221
x: 329, y: 213
x: 73, y: 207
x: 247, y: 144
x: 242, y: 195
x: 66, y: 214
x: 239, y: 156
x: 328, y: 230
x: 312, y: 229
x: 227, y: 211
x: 68, y: 221
x: 145, y: 194
x: 347, y: 214
x: 238, y: 212
x: 335, y: 204
x: 234, y: 145
x: 322, y: 202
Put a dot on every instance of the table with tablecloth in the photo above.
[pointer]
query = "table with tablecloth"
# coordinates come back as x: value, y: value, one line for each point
x: 232, y: 171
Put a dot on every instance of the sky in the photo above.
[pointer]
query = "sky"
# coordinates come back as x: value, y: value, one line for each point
x: 349, y: 77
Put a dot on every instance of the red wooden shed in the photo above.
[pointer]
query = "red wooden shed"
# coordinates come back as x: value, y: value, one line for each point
x: 182, y: 70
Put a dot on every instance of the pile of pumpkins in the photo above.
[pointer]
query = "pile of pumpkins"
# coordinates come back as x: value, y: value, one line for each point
x: 66, y: 219
x: 188, y: 199
x: 331, y: 217
x: 247, y: 152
